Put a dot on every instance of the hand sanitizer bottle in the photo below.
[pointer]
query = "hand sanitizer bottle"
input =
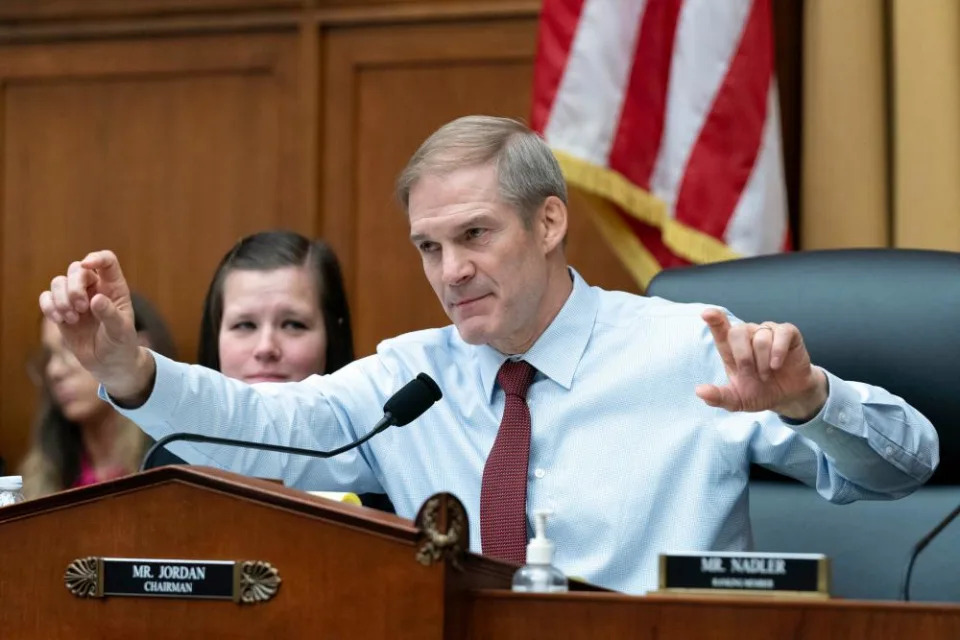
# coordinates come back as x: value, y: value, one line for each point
x: 539, y: 575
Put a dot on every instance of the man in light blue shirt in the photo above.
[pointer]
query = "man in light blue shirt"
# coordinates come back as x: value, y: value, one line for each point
x: 645, y: 414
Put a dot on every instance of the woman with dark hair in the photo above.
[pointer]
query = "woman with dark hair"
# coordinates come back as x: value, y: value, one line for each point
x: 276, y: 311
x: 78, y: 438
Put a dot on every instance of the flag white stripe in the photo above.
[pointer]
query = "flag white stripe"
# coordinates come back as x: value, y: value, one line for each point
x: 759, y: 222
x: 708, y: 34
x: 586, y: 110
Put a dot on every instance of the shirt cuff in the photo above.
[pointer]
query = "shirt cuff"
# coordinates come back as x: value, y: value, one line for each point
x: 842, y: 431
x: 164, y: 397
x: 840, y: 417
x: 843, y: 403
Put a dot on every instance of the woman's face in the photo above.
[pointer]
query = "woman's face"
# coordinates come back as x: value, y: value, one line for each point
x: 73, y: 388
x: 272, y: 328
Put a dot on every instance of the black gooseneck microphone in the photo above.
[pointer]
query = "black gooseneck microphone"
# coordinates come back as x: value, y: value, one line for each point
x: 920, y: 546
x: 400, y: 409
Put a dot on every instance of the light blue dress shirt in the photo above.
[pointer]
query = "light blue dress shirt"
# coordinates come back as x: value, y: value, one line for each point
x: 630, y: 461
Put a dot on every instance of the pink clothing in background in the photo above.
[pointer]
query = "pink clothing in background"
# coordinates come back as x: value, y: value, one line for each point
x: 88, y: 474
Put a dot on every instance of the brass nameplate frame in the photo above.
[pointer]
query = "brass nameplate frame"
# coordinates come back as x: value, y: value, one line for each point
x: 748, y: 573
x: 244, y: 582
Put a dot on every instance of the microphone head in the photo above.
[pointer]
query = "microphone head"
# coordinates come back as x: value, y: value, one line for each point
x: 412, y: 400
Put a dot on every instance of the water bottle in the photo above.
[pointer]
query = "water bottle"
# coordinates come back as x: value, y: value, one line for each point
x: 11, y: 490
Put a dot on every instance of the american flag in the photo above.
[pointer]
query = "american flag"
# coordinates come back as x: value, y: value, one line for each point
x: 665, y: 113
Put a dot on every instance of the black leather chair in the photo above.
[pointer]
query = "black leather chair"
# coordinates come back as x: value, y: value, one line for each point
x: 889, y: 317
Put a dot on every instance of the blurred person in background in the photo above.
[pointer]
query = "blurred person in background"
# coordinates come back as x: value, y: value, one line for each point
x: 78, y: 439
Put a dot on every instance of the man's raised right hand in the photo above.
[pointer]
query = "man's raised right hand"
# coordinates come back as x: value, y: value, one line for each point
x: 91, y: 306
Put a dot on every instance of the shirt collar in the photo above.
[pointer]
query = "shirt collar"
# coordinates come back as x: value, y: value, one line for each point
x: 559, y: 349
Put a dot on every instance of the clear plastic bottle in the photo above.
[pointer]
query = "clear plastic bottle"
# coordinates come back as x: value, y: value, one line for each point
x: 11, y: 490
x: 539, y: 575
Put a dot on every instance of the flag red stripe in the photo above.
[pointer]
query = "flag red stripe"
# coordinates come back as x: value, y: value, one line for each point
x: 640, y: 129
x: 558, y: 26
x: 787, y: 241
x: 727, y: 148
x: 652, y: 240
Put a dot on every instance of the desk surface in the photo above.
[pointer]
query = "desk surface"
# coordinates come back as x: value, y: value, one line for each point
x: 505, y: 615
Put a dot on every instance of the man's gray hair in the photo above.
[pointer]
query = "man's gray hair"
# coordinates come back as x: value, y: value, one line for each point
x: 527, y: 171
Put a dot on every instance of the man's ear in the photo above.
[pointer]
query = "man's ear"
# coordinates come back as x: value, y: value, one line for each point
x: 552, y: 219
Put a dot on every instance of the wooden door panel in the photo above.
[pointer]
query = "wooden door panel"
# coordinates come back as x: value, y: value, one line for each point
x: 166, y: 151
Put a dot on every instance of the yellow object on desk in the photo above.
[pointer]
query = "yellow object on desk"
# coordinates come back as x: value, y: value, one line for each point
x: 338, y: 496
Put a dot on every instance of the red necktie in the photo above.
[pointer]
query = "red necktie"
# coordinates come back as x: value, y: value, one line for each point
x: 503, y: 492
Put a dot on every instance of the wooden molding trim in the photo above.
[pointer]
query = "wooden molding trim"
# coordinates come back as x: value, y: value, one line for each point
x: 73, y: 10
x: 28, y: 29
x: 23, y: 11
x: 425, y: 12
x: 139, y: 27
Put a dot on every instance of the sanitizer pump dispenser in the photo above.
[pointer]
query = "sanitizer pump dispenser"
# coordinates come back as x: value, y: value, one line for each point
x: 539, y: 575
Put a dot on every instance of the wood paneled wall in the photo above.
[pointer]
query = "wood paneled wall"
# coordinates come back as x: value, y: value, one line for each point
x: 167, y: 129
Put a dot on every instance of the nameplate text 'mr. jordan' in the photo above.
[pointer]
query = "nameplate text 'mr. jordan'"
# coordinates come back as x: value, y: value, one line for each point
x: 243, y: 581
